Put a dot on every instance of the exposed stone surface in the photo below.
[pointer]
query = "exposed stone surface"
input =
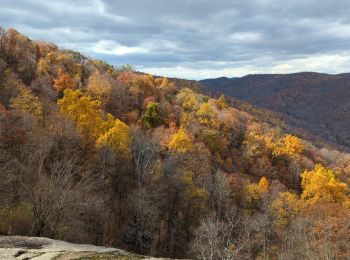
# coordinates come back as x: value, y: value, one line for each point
x: 38, y: 248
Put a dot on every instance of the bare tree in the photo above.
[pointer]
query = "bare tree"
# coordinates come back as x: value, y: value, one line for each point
x: 219, y: 190
x: 142, y: 224
x: 59, y: 198
x: 144, y: 156
x: 221, y: 239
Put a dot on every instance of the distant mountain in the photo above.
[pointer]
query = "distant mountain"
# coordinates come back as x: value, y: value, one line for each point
x: 316, y: 102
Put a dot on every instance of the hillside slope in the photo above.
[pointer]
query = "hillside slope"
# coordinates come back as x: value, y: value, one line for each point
x: 318, y: 101
x: 96, y: 154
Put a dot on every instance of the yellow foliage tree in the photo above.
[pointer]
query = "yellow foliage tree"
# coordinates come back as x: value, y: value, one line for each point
x: 143, y: 86
x: 164, y: 84
x: 207, y: 115
x: 27, y: 102
x: 85, y: 112
x: 264, y: 184
x: 322, y: 184
x: 290, y: 145
x: 117, y: 138
x: 221, y: 103
x: 255, y: 192
x: 285, y: 207
x: 180, y: 142
x: 254, y: 141
x: 187, y: 99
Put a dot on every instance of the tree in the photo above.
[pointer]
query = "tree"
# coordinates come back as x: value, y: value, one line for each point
x: 144, y: 156
x: 207, y: 115
x: 183, y: 203
x: 187, y: 99
x: 285, y: 207
x: 290, y: 145
x: 217, y: 238
x: 20, y: 54
x: 219, y: 193
x: 142, y: 223
x: 221, y: 103
x: 214, y: 140
x: 100, y: 86
x: 151, y: 117
x: 255, y: 192
x: 143, y: 85
x: 264, y: 184
x: 58, y: 200
x: 85, y: 113
x: 254, y: 141
x: 63, y: 81
x: 28, y: 103
x: 117, y: 139
x: 322, y: 184
x: 180, y: 142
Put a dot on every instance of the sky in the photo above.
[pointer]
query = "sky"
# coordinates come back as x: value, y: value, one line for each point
x: 194, y: 39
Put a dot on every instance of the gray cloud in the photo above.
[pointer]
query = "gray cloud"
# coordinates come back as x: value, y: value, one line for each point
x: 194, y: 38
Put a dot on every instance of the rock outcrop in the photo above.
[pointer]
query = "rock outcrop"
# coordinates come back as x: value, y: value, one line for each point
x: 39, y: 248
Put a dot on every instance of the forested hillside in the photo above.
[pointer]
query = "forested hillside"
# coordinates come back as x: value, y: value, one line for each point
x: 312, y: 101
x: 92, y: 153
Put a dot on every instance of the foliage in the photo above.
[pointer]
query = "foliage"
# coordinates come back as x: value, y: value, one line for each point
x: 28, y: 103
x: 222, y: 103
x: 322, y: 184
x: 180, y: 142
x: 255, y: 192
x: 63, y: 81
x: 100, y: 86
x: 291, y: 145
x: 286, y: 207
x: 156, y: 166
x: 151, y: 117
x: 264, y: 184
x: 117, y: 138
x: 85, y: 112
x: 207, y: 115
x: 187, y: 99
x: 193, y: 191
x: 214, y: 140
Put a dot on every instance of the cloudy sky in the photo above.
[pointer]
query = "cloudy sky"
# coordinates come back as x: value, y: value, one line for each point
x: 194, y: 39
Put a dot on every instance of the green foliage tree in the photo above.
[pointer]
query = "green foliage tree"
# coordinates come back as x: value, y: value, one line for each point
x: 151, y: 117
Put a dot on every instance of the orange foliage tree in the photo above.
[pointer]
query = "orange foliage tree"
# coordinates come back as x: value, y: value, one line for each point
x: 63, y: 81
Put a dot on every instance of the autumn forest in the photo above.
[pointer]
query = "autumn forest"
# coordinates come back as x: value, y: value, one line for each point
x: 98, y: 154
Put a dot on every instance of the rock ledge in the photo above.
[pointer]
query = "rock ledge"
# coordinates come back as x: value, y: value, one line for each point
x: 39, y: 248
